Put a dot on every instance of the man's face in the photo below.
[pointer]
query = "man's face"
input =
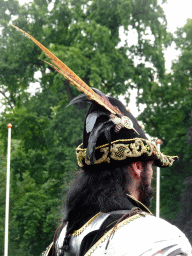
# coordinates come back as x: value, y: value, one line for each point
x: 145, y: 189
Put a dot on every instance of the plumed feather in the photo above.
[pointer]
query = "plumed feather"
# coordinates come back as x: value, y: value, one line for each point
x: 60, y: 67
x: 82, y: 98
x: 107, y: 133
x: 91, y: 120
x: 96, y: 132
x: 100, y: 93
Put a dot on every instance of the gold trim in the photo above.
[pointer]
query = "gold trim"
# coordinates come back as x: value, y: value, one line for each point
x: 79, y: 231
x: 132, y: 197
x: 107, y: 235
x: 122, y: 149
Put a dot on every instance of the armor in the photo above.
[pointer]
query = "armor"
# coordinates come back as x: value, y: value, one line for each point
x: 75, y: 241
x: 141, y: 234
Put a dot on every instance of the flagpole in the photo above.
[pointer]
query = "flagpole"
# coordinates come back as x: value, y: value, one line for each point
x: 9, y: 126
x: 158, y: 142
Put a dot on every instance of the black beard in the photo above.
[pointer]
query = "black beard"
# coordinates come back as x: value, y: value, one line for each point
x: 146, y: 191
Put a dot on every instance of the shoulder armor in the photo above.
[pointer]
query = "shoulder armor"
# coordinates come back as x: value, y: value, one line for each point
x: 76, y: 239
x: 93, y: 224
x: 143, y: 235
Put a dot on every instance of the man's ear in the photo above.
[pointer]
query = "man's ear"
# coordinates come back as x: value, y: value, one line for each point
x: 136, y: 168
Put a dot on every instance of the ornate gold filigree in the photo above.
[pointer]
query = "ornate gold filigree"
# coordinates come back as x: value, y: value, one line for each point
x: 79, y: 231
x: 124, y: 121
x: 122, y: 149
x: 107, y: 235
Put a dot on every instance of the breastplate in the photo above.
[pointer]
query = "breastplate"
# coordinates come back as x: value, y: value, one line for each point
x: 141, y: 234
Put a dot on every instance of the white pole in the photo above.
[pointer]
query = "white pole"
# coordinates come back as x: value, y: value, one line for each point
x: 7, y: 190
x: 158, y: 142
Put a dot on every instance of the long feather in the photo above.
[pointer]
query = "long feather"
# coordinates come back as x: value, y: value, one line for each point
x: 96, y: 132
x: 82, y: 98
x: 92, y: 118
x: 107, y: 133
x: 60, y: 67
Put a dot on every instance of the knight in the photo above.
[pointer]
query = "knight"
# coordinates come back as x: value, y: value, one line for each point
x: 106, y: 212
x: 107, y: 206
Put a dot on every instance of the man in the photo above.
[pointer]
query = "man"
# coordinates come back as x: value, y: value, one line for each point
x: 106, y: 211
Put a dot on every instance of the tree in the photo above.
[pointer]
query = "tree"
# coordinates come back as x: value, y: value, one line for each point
x: 168, y: 116
x: 2, y: 194
x: 86, y: 36
x: 184, y: 220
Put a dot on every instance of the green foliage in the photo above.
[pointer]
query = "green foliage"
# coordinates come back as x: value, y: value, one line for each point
x: 86, y: 36
x: 42, y: 164
x: 3, y: 177
x: 168, y: 116
x: 2, y: 194
x: 34, y: 213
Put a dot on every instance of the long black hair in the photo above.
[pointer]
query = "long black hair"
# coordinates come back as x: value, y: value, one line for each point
x: 96, y: 188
